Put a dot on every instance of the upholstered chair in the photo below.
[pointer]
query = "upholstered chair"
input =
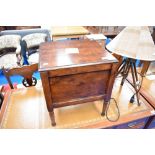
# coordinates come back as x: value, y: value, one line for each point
x: 32, y: 42
x: 10, y: 51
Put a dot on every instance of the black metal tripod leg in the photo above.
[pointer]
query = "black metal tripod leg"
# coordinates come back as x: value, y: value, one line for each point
x: 136, y: 75
x: 121, y: 67
x: 126, y: 72
x: 134, y: 72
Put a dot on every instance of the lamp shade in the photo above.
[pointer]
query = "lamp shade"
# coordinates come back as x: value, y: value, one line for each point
x: 134, y: 42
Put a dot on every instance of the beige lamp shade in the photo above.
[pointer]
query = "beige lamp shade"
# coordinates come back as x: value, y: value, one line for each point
x: 134, y: 42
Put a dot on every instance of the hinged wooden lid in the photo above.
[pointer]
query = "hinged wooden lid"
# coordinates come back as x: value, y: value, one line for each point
x: 72, y: 53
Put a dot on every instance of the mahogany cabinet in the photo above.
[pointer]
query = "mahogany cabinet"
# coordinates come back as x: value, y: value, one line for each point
x: 75, y: 72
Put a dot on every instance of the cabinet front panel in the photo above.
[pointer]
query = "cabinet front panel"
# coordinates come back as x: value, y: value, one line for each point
x: 78, y: 86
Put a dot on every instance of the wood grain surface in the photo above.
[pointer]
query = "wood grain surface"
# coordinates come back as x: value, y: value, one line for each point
x: 76, y: 72
x: 53, y: 55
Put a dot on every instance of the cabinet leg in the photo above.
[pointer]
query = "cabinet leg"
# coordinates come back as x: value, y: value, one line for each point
x: 104, y: 108
x: 52, y: 118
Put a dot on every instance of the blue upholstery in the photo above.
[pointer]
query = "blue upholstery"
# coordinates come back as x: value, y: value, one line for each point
x: 107, y: 41
x: 16, y: 78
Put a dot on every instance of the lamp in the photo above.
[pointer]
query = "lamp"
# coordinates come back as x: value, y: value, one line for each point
x: 133, y: 43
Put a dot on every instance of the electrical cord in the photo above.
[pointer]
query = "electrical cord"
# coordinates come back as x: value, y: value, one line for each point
x: 106, y: 111
x: 142, y: 77
x: 131, y: 100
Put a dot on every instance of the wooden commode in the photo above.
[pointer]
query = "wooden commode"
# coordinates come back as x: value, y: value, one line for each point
x: 75, y: 72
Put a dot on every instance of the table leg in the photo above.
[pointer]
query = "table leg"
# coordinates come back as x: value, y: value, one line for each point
x: 7, y: 77
x: 105, y: 103
x: 52, y: 118
x: 48, y: 96
x: 145, y: 67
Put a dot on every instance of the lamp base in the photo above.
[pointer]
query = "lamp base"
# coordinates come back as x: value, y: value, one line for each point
x: 127, y: 65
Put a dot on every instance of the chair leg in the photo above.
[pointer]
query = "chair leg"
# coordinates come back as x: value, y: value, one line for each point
x: 8, y: 78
